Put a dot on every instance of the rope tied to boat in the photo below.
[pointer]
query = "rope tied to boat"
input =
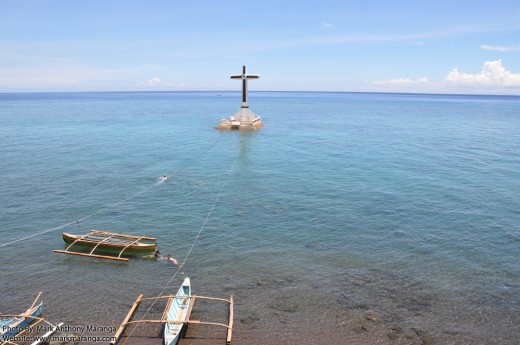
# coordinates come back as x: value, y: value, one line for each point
x: 183, y: 263
x: 176, y: 172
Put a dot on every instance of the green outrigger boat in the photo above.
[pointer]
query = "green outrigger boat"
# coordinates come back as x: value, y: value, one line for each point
x: 108, y: 245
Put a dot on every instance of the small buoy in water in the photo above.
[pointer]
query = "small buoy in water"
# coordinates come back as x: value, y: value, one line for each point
x: 372, y: 317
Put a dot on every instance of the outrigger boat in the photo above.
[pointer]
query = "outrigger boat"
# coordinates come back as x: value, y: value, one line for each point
x: 12, y: 326
x: 108, y: 245
x: 178, y: 311
x: 176, y: 315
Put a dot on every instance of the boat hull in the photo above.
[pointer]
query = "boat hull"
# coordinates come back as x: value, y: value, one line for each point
x: 178, y: 312
x: 11, y: 326
x: 109, y: 248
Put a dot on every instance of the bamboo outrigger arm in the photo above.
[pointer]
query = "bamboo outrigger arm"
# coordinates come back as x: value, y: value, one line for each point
x: 230, y: 328
x: 34, y: 303
x: 90, y: 255
x: 125, y: 321
x: 177, y: 321
x: 140, y: 298
x: 123, y: 235
x: 129, y: 245
x: 101, y: 242
x: 190, y: 296
x: 78, y: 239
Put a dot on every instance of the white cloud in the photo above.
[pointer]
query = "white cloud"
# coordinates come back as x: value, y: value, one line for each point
x: 326, y: 24
x: 501, y: 48
x: 492, y: 74
x: 156, y: 82
x: 401, y: 81
x: 493, y: 78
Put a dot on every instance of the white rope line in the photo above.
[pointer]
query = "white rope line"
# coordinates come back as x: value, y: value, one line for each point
x: 202, y: 227
x: 107, y: 207
x: 78, y: 220
x: 192, y: 246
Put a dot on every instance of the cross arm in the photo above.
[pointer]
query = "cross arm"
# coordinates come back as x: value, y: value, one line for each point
x: 247, y: 76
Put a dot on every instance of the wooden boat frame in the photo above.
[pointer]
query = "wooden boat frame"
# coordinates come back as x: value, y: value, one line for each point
x: 103, y: 239
x: 35, y: 320
x: 164, y: 319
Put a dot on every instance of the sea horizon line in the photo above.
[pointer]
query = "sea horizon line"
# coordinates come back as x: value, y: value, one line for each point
x: 259, y: 91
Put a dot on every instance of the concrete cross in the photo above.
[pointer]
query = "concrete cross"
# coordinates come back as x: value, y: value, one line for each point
x: 244, y: 76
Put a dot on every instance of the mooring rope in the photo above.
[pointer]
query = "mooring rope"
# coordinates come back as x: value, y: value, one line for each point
x: 191, y: 247
x: 202, y: 227
x: 176, y: 172
x: 80, y: 219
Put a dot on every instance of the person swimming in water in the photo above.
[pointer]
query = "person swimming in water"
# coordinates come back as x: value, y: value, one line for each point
x: 170, y: 259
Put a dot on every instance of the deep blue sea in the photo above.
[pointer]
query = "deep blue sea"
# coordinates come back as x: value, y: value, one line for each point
x: 357, y: 218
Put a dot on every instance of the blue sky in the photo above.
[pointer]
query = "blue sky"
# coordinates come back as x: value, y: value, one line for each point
x: 456, y: 46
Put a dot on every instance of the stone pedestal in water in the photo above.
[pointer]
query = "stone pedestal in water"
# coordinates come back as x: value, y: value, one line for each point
x: 244, y: 118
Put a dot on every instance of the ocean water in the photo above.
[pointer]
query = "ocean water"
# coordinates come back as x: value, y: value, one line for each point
x: 356, y: 218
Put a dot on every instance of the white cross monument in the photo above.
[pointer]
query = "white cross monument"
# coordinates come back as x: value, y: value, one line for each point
x: 244, y: 118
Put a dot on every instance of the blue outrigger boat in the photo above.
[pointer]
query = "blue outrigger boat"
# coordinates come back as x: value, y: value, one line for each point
x: 12, y: 325
x: 175, y: 318
x: 177, y: 309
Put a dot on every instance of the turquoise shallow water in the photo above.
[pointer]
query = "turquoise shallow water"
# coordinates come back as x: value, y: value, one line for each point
x: 379, y: 218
